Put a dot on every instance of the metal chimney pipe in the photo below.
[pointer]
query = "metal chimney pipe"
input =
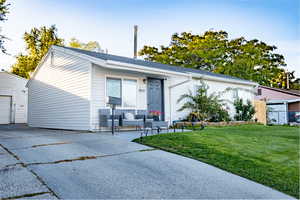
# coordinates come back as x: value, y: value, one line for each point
x: 135, y: 41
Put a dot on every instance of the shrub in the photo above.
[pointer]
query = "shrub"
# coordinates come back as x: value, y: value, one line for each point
x: 244, y: 112
x: 204, y: 107
x: 221, y: 115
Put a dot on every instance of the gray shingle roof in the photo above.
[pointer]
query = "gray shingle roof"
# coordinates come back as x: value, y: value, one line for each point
x: 156, y: 65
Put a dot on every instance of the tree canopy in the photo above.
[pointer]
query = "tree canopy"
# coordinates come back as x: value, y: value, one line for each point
x: 3, y: 12
x: 213, y: 51
x: 90, y: 46
x: 38, y: 41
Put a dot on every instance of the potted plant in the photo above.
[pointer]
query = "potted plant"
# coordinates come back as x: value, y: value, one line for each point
x: 156, y: 114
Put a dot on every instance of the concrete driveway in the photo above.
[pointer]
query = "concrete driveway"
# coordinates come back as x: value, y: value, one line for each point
x: 41, y: 163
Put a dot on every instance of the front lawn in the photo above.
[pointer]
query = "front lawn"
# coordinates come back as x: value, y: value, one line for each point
x: 265, y: 154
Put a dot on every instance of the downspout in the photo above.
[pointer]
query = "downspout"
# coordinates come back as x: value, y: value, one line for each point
x: 170, y: 94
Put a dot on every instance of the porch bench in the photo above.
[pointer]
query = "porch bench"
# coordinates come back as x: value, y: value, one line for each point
x: 120, y: 119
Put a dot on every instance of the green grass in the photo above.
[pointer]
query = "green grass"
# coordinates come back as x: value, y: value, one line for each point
x: 265, y: 154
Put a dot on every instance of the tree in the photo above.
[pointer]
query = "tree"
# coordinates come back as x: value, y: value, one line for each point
x: 295, y: 84
x: 3, y: 12
x: 38, y: 41
x: 90, y: 46
x: 203, y: 106
x: 282, y: 79
x: 213, y: 51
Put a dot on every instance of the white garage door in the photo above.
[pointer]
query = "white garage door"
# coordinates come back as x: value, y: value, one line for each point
x: 5, y: 110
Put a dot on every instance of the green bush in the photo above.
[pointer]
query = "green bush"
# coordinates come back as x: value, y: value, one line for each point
x: 244, y: 112
x: 204, y: 107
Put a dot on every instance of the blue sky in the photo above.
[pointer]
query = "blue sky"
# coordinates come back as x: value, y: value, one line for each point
x: 110, y: 22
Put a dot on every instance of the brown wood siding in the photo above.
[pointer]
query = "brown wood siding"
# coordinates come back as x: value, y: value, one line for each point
x: 294, y: 107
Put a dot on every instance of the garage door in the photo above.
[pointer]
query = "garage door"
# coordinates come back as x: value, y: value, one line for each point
x: 5, y: 110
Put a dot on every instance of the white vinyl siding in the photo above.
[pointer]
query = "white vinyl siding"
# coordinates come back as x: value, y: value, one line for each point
x: 14, y: 87
x: 59, y: 94
x: 216, y: 87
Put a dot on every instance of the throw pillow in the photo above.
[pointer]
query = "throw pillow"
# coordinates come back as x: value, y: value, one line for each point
x: 129, y: 116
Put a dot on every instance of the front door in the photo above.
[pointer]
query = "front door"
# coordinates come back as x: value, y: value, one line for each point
x: 155, y: 95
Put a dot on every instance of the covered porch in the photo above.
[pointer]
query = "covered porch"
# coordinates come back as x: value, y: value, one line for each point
x: 142, y: 93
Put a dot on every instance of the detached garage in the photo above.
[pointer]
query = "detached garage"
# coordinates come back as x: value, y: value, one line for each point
x: 13, y: 98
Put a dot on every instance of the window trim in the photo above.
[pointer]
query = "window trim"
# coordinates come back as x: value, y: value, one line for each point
x: 122, y: 78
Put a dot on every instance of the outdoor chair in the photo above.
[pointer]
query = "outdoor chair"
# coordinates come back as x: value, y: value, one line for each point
x: 156, y: 125
x: 106, y: 119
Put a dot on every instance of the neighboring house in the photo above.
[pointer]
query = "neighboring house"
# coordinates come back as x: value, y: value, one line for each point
x: 283, y: 105
x: 70, y: 86
x: 13, y: 98
x: 269, y: 93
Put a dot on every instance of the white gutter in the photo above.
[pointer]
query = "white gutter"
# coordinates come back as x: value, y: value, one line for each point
x: 227, y: 80
x: 170, y: 93
x: 121, y: 65
x: 283, y: 101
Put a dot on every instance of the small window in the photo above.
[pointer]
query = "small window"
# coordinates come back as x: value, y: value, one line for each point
x: 129, y: 93
x: 259, y: 92
x: 235, y: 94
x: 113, y: 87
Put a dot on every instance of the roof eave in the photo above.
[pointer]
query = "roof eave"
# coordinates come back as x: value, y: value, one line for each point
x: 134, y: 67
x: 227, y: 80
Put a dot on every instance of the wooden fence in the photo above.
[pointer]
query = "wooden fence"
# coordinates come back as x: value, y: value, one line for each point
x: 260, y: 111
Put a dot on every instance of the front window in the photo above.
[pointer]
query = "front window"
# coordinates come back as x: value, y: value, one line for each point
x: 126, y: 89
